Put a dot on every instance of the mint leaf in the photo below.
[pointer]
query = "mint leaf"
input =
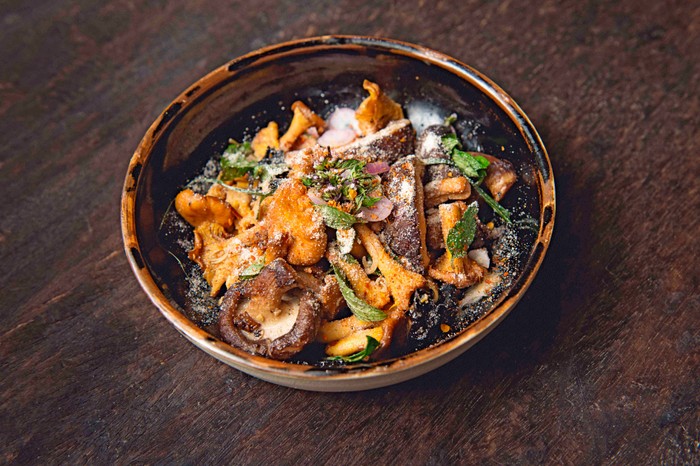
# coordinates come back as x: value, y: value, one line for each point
x: 473, y: 166
x: 234, y: 163
x: 498, y: 208
x: 462, y: 234
x: 361, y: 309
x: 372, y: 345
x: 336, y: 218
x: 450, y: 142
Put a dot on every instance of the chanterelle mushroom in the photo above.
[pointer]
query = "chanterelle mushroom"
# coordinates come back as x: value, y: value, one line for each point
x: 273, y: 314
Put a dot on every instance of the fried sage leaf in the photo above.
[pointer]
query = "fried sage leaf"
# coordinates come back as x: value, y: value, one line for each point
x: 462, y: 234
x: 361, y: 309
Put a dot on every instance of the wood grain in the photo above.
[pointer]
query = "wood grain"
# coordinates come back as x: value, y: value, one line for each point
x: 598, y: 364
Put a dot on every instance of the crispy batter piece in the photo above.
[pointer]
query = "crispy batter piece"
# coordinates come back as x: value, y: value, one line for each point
x: 377, y: 110
x: 291, y: 213
x: 303, y: 119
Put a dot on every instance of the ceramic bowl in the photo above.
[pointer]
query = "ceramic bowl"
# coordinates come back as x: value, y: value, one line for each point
x: 245, y: 93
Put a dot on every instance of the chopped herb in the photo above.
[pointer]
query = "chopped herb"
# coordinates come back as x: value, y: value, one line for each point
x: 345, y: 183
x: 498, y: 208
x: 252, y: 270
x: 336, y: 218
x: 234, y: 160
x: 361, y: 309
x: 462, y: 234
x: 361, y: 355
x: 235, y: 163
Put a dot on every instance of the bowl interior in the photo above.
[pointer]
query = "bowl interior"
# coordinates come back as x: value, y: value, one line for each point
x: 236, y: 100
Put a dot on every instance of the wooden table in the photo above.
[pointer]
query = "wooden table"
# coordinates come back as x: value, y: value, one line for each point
x: 599, y: 363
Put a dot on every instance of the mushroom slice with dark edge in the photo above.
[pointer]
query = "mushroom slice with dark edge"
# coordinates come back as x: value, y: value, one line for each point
x: 387, y: 145
x: 273, y: 314
x: 405, y: 229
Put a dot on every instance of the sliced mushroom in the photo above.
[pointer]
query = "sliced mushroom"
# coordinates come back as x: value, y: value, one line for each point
x: 396, y: 140
x: 405, y: 229
x: 273, y: 314
x: 442, y: 182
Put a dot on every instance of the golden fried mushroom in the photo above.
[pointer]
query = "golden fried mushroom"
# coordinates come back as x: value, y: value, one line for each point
x: 377, y: 110
x: 354, y: 342
x: 303, y: 119
x: 291, y: 213
x: 198, y: 209
x: 445, y: 189
x: 267, y: 137
x: 341, y: 328
x: 402, y: 282
x: 221, y: 256
x: 458, y: 271
x: 374, y: 292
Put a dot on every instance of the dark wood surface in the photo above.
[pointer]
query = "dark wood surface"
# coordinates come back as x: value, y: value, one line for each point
x: 599, y: 363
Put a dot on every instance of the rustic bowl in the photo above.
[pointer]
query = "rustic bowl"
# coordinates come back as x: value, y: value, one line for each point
x: 323, y: 71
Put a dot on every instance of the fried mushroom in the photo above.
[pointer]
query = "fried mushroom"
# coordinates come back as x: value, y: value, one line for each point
x: 272, y: 315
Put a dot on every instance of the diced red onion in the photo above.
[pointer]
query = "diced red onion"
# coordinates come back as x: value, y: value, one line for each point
x: 343, y: 118
x: 336, y: 137
x: 375, y: 168
x: 377, y: 212
x: 315, y: 198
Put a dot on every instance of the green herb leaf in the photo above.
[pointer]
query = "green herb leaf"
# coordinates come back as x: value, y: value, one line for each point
x: 473, y: 166
x: 462, y: 234
x: 252, y: 270
x: 372, y: 345
x: 450, y: 119
x: 336, y: 218
x: 498, y: 208
x: 450, y: 141
x: 437, y: 161
x: 361, y: 309
x: 234, y: 163
x: 252, y: 192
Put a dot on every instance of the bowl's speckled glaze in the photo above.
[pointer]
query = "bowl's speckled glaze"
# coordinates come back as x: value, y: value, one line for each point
x: 323, y: 71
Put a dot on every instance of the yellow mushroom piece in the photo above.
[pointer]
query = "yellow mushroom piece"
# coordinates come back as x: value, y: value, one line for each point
x: 458, y: 271
x: 402, y: 282
x: 267, y: 137
x: 303, y: 119
x: 354, y: 342
x: 374, y: 292
x: 377, y: 110
x: 338, y: 329
x: 439, y: 191
x: 198, y: 209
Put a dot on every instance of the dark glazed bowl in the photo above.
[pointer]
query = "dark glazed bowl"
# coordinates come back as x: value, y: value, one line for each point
x: 244, y: 94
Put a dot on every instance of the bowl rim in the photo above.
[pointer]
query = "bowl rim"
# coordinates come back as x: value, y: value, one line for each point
x: 357, y: 377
